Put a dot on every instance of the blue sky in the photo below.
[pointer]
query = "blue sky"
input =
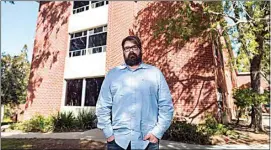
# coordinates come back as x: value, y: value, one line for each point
x: 18, y: 25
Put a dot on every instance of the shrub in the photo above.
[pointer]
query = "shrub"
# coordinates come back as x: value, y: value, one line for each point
x: 186, y: 132
x: 212, y: 127
x: 86, y: 119
x: 196, y: 134
x: 64, y: 121
x: 38, y: 123
x: 246, y: 97
x: 48, y: 124
x: 61, y: 122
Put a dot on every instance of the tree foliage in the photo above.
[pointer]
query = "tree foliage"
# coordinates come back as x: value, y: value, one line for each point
x: 14, y: 78
x: 254, y: 35
x: 247, y: 97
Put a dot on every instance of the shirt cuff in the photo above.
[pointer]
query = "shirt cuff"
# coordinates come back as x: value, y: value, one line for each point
x: 108, y: 132
x: 157, y: 132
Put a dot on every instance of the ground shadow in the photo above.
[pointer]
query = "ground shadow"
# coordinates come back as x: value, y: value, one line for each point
x: 35, y: 143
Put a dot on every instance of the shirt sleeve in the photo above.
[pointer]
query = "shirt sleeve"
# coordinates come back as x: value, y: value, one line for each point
x: 165, y: 108
x: 104, y: 107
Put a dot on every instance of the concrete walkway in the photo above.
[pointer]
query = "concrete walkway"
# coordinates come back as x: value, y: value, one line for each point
x: 97, y: 135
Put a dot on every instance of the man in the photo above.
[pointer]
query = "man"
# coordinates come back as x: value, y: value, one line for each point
x: 134, y: 107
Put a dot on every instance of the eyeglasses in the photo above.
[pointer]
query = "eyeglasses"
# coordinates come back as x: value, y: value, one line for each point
x: 133, y: 48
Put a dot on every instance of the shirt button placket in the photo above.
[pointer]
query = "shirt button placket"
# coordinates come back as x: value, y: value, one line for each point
x: 132, y: 110
x: 133, y: 100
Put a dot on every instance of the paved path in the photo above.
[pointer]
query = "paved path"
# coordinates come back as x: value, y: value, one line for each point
x: 97, y: 135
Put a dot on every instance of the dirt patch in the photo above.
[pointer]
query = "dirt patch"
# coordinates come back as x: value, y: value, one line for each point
x: 43, y: 144
x: 242, y: 135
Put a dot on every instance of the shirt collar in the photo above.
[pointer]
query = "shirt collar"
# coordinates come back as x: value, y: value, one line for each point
x: 142, y: 65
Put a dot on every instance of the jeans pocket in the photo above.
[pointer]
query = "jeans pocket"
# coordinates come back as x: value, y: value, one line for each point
x: 153, y: 146
x: 111, y: 142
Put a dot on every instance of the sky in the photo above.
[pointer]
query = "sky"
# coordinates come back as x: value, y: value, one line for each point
x: 18, y: 25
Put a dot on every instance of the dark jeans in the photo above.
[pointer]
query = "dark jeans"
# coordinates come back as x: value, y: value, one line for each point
x: 114, y: 146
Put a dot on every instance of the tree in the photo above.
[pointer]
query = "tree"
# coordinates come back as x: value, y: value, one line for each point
x: 254, y: 35
x: 251, y: 18
x: 245, y: 97
x: 14, y: 76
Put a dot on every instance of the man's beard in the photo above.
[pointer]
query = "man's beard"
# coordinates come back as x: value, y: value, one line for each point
x: 133, y: 59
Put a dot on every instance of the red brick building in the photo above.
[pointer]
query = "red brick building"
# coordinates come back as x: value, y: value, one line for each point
x: 76, y: 43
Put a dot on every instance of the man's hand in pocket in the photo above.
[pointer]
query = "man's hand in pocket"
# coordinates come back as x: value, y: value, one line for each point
x: 151, y: 138
x: 111, y: 138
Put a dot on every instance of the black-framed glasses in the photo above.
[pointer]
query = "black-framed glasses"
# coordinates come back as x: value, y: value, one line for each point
x: 133, y: 48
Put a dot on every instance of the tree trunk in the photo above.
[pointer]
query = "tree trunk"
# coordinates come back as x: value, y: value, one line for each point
x: 255, y: 77
x: 238, y: 117
x: 259, y: 122
x: 252, y: 117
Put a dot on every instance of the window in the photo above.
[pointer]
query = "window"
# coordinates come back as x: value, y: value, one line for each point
x: 96, y: 39
x: 74, y: 92
x: 91, y: 87
x: 80, y: 6
x: 95, y: 4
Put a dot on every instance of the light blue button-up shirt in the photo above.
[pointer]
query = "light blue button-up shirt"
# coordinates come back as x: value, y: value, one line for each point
x: 138, y: 102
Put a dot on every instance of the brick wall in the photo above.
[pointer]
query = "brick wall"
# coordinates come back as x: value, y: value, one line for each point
x: 187, y: 66
x: 48, y: 59
x: 243, y: 80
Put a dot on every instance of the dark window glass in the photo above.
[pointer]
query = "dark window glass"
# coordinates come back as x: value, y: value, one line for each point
x: 72, y: 35
x: 97, y: 40
x: 78, y: 34
x: 106, y: 2
x: 94, y: 2
x: 97, y: 30
x: 99, y: 4
x: 77, y: 4
x: 97, y: 50
x: 74, y: 92
x: 93, y: 86
x: 77, y: 44
x: 77, y: 53
x: 84, y: 52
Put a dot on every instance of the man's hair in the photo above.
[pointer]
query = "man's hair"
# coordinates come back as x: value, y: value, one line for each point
x: 133, y: 39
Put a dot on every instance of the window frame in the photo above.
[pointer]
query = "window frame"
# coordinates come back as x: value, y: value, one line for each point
x: 87, y: 33
x: 88, y: 7
x: 83, y: 91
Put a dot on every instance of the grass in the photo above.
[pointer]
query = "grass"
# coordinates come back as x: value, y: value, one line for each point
x: 14, y: 144
x: 41, y: 144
